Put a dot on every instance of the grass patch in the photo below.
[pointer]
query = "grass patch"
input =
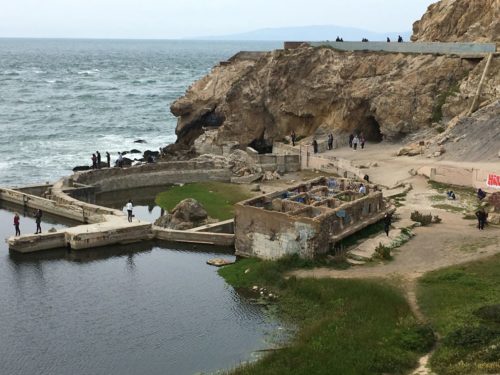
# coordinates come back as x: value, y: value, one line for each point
x: 437, y: 111
x: 461, y: 303
x: 218, y: 198
x: 449, y: 207
x: 345, y: 326
x: 437, y: 198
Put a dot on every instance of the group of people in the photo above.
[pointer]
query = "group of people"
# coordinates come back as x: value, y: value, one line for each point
x: 354, y: 140
x: 400, y: 39
x: 96, y: 160
x: 38, y: 220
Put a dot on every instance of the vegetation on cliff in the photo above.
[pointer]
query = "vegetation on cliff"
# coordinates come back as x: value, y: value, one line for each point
x: 345, y: 326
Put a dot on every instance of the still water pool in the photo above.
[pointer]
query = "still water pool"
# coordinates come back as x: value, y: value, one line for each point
x: 136, y: 309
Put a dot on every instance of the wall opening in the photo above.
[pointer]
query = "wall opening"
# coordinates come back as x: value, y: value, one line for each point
x: 262, y: 146
x: 371, y: 130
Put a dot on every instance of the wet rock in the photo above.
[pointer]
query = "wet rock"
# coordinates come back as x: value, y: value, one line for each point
x: 140, y: 141
x: 135, y: 151
x: 81, y: 168
x: 148, y: 153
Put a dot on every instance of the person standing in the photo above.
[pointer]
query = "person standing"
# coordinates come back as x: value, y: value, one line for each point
x: 108, y: 159
x: 315, y: 146
x: 38, y: 220
x: 119, y: 161
x: 16, y: 224
x: 98, y: 154
x: 94, y: 161
x: 330, y: 141
x: 129, y: 208
x: 387, y: 223
x: 355, y: 142
x: 351, y: 137
x: 362, y: 140
x: 481, y: 218
x: 294, y: 137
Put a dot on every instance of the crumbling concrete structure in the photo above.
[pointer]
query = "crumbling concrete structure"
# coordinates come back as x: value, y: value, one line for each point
x: 308, y: 219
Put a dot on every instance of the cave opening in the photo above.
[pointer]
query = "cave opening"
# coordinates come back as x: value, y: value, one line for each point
x: 371, y: 130
x: 262, y: 146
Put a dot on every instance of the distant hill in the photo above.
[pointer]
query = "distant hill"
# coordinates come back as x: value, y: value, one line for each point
x: 310, y: 33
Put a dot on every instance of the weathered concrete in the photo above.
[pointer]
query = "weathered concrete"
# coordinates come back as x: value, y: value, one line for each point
x: 441, y: 48
x: 307, y: 219
x: 191, y: 236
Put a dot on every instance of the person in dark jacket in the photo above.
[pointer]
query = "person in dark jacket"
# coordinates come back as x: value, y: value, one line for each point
x: 330, y: 141
x: 387, y: 223
x: 482, y: 216
x: 38, y: 220
x: 108, y: 159
x: 315, y: 146
x: 94, y: 161
x: 351, y: 137
x: 98, y: 154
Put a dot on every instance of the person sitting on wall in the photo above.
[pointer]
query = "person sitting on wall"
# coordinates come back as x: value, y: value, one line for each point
x: 451, y: 195
x: 362, y: 189
x: 388, y: 40
x: 338, y: 39
x: 481, y: 194
x: 400, y: 39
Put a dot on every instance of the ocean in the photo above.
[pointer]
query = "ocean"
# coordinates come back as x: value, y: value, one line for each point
x: 62, y: 99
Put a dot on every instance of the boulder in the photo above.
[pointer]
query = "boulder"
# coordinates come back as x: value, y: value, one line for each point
x: 81, y: 168
x: 140, y: 141
x: 148, y: 153
x: 135, y: 151
x: 494, y: 218
x: 188, y: 214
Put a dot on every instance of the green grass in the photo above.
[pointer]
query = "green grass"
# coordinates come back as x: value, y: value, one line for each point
x: 437, y: 111
x: 452, y: 298
x: 344, y: 326
x: 218, y: 198
x: 437, y: 197
x: 449, y: 207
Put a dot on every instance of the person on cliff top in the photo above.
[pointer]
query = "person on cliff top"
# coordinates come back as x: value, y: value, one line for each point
x: 293, y: 136
x: 355, y: 142
x: 108, y: 159
x: 16, y: 224
x: 129, y: 208
x: 98, y: 154
x: 330, y: 141
x: 388, y: 40
x: 482, y: 216
x: 351, y: 137
x: 387, y: 223
x: 94, y: 161
x: 315, y: 146
x: 400, y: 39
x: 38, y: 220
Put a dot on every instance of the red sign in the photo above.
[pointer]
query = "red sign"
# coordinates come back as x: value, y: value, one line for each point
x: 494, y: 181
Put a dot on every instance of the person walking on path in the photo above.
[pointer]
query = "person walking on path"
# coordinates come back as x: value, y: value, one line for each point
x: 355, y: 142
x: 129, y: 208
x: 38, y: 220
x: 108, y: 159
x: 94, y: 161
x: 351, y: 137
x: 98, y: 154
x: 362, y: 140
x: 387, y: 223
x: 16, y: 224
x: 294, y: 137
x: 330, y: 141
x: 482, y: 216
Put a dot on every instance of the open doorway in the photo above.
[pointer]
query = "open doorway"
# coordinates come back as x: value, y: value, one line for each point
x: 371, y: 130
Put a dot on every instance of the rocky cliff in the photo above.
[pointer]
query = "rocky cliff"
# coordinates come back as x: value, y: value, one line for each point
x: 257, y: 98
x: 459, y: 20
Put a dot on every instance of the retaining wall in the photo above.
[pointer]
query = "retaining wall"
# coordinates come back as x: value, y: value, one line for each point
x: 443, y: 48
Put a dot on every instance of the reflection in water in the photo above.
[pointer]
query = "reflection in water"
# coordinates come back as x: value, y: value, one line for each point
x: 132, y: 309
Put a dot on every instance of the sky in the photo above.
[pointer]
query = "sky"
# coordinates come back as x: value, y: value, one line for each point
x: 174, y: 19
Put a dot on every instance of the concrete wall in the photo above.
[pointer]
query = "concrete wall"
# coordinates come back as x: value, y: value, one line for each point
x: 407, y: 47
x: 453, y: 175
x: 39, y: 190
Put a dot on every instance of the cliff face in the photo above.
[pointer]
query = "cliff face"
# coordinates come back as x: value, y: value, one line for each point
x: 459, y: 21
x: 258, y: 98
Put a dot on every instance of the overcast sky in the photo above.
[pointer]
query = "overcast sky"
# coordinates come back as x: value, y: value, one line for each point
x: 170, y: 19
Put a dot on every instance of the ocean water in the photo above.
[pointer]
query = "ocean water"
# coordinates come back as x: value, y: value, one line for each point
x: 61, y: 100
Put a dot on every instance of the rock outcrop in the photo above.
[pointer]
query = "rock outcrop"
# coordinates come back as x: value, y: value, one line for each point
x: 188, y: 214
x: 459, y: 21
x: 258, y: 98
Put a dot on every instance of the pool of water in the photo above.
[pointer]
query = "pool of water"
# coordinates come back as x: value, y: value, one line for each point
x: 146, y: 308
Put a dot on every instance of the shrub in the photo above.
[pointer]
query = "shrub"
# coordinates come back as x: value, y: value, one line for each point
x: 421, y: 218
x: 470, y: 336
x: 383, y: 252
x: 436, y: 219
x: 489, y: 313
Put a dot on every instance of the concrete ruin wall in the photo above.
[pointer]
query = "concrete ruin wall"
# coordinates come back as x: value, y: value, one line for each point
x: 277, y: 224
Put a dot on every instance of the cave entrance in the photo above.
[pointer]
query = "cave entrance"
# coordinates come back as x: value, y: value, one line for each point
x: 371, y: 130
x: 261, y: 146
